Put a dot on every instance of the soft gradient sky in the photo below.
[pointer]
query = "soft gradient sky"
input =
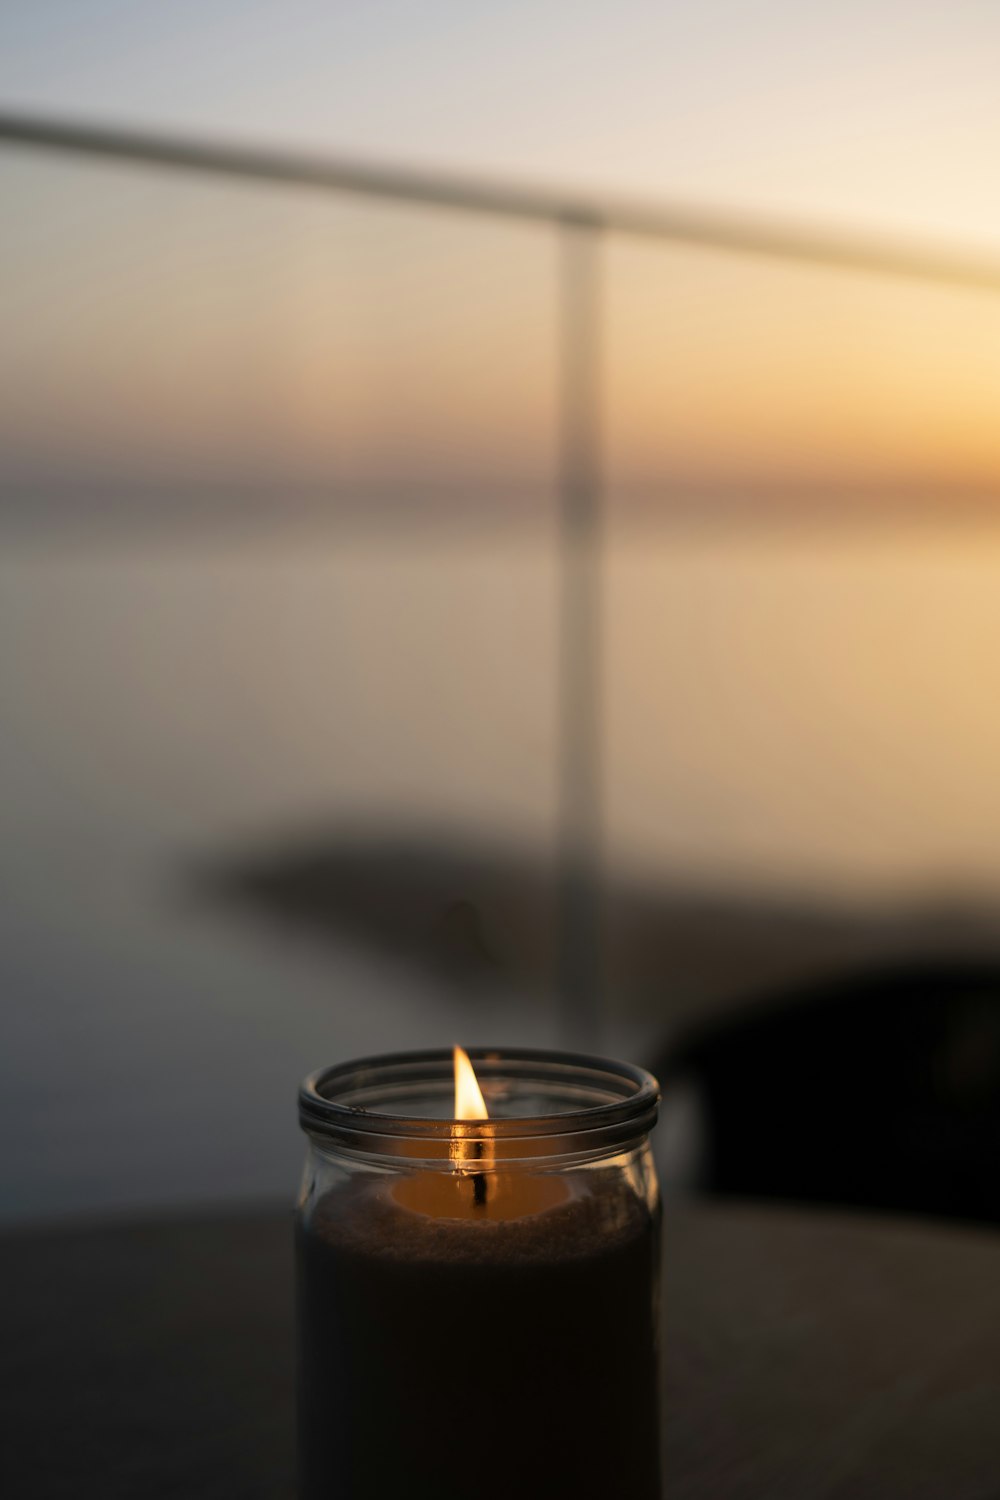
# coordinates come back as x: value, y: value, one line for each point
x: 163, y: 327
x: 877, y: 112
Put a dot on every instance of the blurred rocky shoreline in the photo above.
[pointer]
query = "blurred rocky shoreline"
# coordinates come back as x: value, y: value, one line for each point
x: 483, y: 917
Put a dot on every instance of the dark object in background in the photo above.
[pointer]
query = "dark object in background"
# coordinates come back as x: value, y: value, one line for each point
x: 880, y: 1090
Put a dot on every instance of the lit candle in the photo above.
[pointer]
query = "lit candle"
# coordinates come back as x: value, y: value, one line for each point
x: 477, y: 1294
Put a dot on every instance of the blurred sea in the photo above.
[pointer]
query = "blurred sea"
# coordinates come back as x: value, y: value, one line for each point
x: 788, y: 708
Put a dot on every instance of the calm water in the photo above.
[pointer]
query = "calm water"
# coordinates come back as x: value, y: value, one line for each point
x: 787, y: 709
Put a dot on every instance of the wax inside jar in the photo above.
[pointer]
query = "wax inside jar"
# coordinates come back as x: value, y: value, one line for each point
x: 502, y: 1196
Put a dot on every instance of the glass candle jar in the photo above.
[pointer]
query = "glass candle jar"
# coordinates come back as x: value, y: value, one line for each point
x: 477, y: 1298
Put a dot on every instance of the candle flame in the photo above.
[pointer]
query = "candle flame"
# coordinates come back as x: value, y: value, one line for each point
x: 469, y: 1101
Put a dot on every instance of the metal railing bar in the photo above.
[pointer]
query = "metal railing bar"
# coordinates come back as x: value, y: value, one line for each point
x: 580, y: 948
x: 670, y: 223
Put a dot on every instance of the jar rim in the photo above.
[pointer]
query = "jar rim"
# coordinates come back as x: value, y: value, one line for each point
x: 625, y: 1100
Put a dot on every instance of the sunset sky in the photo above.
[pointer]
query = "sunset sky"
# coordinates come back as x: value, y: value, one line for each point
x: 880, y: 112
x: 164, y: 328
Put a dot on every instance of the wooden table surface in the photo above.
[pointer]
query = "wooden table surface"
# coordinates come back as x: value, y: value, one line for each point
x: 808, y: 1357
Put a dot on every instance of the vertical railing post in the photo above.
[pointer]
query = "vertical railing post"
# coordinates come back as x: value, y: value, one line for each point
x: 579, y: 904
